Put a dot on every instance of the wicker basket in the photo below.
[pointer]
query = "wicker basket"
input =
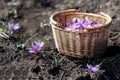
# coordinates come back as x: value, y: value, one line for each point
x: 80, y: 43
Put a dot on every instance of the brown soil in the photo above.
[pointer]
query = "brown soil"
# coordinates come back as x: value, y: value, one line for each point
x: 33, y: 16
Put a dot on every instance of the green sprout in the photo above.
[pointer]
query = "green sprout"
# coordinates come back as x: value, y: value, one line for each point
x: 3, y: 30
x: 57, y: 60
x: 22, y: 43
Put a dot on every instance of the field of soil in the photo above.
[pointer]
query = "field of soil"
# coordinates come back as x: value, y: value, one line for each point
x: 17, y: 63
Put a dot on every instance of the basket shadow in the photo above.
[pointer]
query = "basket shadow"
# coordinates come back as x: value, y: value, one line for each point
x: 111, y: 51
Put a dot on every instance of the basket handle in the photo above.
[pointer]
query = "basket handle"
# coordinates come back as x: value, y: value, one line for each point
x: 78, y: 10
x: 59, y: 25
x: 97, y: 11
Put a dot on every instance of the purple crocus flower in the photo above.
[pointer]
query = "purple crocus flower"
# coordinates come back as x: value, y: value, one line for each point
x: 13, y: 26
x: 67, y: 25
x: 36, y: 47
x: 93, y: 68
x: 84, y: 23
x: 74, y: 25
x: 75, y: 20
x: 77, y: 26
x: 87, y: 23
x: 95, y: 24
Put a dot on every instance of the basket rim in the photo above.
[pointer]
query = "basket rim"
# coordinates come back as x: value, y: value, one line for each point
x: 100, y: 14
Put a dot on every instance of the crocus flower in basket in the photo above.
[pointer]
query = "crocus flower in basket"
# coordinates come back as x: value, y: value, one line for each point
x: 80, y: 34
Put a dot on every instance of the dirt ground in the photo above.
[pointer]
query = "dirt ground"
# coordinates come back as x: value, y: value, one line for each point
x: 33, y: 16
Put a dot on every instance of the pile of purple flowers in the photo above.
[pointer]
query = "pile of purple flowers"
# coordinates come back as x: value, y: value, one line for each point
x: 81, y: 24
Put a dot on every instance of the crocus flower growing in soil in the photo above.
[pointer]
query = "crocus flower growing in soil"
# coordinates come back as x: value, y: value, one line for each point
x: 13, y: 26
x: 93, y: 69
x: 36, y: 47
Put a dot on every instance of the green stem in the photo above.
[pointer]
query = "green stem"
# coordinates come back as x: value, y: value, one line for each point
x: 24, y: 43
x: 31, y: 38
x: 45, y: 58
x: 91, y: 75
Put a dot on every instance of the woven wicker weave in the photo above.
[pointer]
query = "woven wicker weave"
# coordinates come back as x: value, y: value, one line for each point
x: 80, y: 43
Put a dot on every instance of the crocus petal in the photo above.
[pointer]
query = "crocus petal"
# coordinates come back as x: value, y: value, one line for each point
x: 93, y: 68
x: 93, y: 23
x: 89, y: 66
x: 16, y: 26
x: 10, y: 26
x: 33, y: 45
x: 89, y: 26
x: 84, y: 23
x: 97, y: 66
x: 97, y: 25
x: 31, y: 50
x: 41, y: 44
x: 36, y: 46
x: 67, y: 25
x: 74, y: 20
x: 78, y: 27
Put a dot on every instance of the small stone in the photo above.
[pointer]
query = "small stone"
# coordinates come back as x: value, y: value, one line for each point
x: 36, y: 69
x: 2, y: 49
x: 114, y: 16
x: 29, y: 4
x: 108, y: 4
x: 117, y: 3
